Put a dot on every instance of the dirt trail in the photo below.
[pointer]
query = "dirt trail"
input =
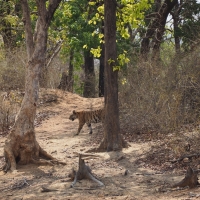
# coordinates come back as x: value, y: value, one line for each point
x: 55, y: 135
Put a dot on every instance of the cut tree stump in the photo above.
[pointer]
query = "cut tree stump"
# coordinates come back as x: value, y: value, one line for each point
x: 84, y: 171
x: 190, y: 180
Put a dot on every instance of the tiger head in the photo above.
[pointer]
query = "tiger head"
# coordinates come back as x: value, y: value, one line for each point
x: 73, y: 116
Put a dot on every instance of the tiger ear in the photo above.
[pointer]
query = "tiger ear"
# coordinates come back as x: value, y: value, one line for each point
x: 74, y: 112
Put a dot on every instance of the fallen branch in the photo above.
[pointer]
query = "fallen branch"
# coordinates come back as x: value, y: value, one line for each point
x: 185, y: 156
x: 44, y: 189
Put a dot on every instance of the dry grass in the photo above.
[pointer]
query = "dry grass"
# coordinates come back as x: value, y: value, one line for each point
x: 9, y: 106
x: 12, y: 70
x: 154, y: 96
x: 161, y: 97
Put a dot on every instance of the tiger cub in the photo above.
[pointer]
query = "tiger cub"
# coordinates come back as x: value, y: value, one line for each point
x: 87, y: 117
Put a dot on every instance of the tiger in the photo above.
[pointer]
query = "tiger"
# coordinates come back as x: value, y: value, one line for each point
x: 87, y: 117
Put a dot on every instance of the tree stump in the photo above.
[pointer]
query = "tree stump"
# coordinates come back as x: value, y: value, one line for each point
x: 190, y: 180
x: 84, y: 172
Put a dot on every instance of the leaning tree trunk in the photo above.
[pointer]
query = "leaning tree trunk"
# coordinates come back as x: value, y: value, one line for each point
x: 21, y: 145
x: 156, y: 29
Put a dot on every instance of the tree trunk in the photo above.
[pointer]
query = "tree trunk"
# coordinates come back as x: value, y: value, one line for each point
x: 101, y: 71
x: 156, y: 29
x: 89, y: 84
x: 112, y: 138
x: 101, y: 66
x: 63, y: 82
x: 176, y: 19
x: 21, y: 145
x: 71, y: 72
x: 165, y: 9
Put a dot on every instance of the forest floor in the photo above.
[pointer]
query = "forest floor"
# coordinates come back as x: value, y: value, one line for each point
x: 145, y: 170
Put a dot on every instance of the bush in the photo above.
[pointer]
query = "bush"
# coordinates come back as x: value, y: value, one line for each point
x: 9, y: 105
x: 160, y: 96
x: 12, y: 70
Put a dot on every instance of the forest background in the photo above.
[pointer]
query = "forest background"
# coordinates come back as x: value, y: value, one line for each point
x: 158, y: 59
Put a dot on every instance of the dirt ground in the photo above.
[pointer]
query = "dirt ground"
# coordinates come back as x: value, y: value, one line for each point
x: 142, y: 171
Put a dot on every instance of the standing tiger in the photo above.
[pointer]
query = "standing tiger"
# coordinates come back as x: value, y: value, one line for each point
x: 87, y: 117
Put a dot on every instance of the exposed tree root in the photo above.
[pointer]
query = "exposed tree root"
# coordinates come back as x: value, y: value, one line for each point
x: 24, y: 149
x: 103, y: 146
x: 45, y: 155
x: 84, y: 172
x: 190, y: 179
x: 47, y: 162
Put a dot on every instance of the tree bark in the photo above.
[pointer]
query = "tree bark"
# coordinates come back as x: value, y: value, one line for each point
x: 21, y: 145
x: 156, y: 29
x: 89, y: 84
x: 101, y: 71
x: 176, y: 20
x: 101, y: 66
x: 63, y: 82
x: 71, y: 72
x: 112, y: 138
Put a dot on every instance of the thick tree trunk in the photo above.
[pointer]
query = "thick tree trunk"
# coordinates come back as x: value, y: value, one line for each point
x: 112, y: 138
x: 21, y: 145
x: 89, y: 84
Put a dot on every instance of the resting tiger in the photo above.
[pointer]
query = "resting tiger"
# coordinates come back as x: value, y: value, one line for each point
x: 87, y: 117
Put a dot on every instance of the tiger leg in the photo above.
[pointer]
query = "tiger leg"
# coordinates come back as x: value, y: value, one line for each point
x: 90, y: 127
x: 79, y: 128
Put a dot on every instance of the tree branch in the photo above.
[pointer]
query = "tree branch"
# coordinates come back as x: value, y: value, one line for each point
x: 53, y: 5
x: 57, y: 49
x: 42, y: 11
